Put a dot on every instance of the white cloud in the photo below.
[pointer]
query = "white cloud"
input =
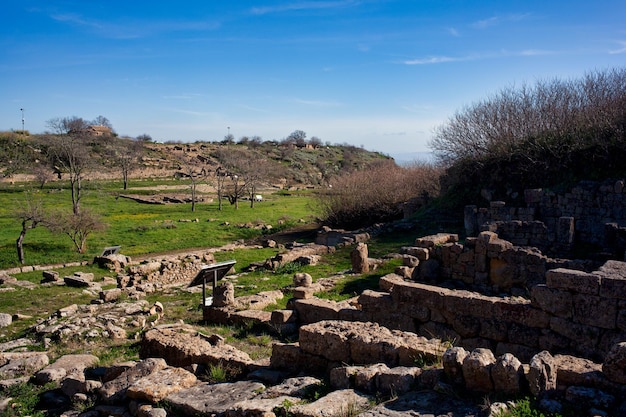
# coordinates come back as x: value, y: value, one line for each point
x: 434, y: 60
x: 497, y: 20
x: 621, y: 50
x: 303, y: 5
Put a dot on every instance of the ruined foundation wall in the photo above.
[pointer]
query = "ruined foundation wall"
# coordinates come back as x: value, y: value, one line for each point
x: 575, y: 313
x: 555, y: 222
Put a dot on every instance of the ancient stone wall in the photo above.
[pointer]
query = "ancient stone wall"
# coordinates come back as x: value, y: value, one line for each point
x: 591, y: 213
x: 485, y: 263
x: 575, y: 313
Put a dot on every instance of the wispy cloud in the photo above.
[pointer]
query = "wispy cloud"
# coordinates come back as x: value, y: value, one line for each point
x: 133, y: 29
x: 498, y: 20
x: 445, y: 59
x: 453, y: 31
x: 317, y: 103
x: 436, y: 60
x: 621, y: 50
x: 303, y: 5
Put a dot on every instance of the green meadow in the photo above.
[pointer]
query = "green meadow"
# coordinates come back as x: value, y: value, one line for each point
x: 142, y: 229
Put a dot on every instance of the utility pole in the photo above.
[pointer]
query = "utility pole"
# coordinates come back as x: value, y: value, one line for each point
x: 23, y: 131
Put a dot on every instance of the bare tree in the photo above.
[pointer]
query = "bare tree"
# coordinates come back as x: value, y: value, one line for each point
x: 125, y: 154
x: 42, y: 174
x: 66, y: 125
x: 31, y: 215
x: 78, y: 226
x: 70, y: 154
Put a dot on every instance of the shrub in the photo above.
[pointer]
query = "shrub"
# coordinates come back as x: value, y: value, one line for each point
x: 376, y: 193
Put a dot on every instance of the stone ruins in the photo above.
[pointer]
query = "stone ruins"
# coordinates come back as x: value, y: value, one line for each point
x: 502, y: 312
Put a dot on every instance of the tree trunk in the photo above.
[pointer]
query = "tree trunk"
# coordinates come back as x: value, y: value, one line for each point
x: 19, y: 242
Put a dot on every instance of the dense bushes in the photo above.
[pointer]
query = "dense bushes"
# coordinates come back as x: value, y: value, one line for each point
x: 376, y: 193
x: 553, y: 132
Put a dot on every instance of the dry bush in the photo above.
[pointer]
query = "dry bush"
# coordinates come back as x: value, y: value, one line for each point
x: 376, y: 193
x: 551, y: 117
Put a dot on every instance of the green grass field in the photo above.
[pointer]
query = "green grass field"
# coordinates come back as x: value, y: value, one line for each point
x: 140, y: 228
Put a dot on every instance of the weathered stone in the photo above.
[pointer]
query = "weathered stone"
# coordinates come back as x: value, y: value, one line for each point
x: 398, y: 380
x: 115, y: 390
x: 302, y: 279
x: 435, y: 240
x: 365, y: 379
x: 160, y: 384
x: 342, y: 377
x: 614, y: 366
x: 507, y: 374
x: 556, y: 302
x: 342, y: 402
x: 542, y: 374
x: 359, y: 258
x: 292, y: 387
x: 49, y: 276
x: 477, y: 370
x: 452, y: 360
x: 213, y: 399
x: 110, y: 296
x: 424, y: 404
x: 573, y: 280
x: 595, y: 311
x: 65, y: 365
x: 5, y: 319
x: 77, y: 281
x: 181, y: 346
x: 262, y: 407
x: 16, y: 364
x: 303, y: 293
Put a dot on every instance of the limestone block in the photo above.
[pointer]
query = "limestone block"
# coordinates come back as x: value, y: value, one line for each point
x: 158, y: 385
x: 213, y: 399
x: 19, y: 364
x: 553, y: 301
x: 477, y: 370
x: 110, y: 296
x: 283, y: 316
x: 341, y: 402
x: 542, y: 375
x: 422, y: 254
x: 398, y: 380
x: 595, y: 311
x: 573, y: 280
x: 453, y: 363
x: 365, y: 379
x: 68, y: 364
x: 224, y: 295
x: 359, y: 258
x: 302, y: 279
x: 304, y: 293
x: 5, y: 319
x: 342, y: 377
x: 410, y: 261
x: 614, y: 366
x: 292, y: 387
x: 115, y: 390
x: 507, y: 374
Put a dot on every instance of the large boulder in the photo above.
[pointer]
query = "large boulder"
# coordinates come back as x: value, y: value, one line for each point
x: 65, y: 365
x: 158, y: 385
x: 183, y: 346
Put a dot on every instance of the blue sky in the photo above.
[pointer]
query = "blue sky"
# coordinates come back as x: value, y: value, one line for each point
x: 374, y: 73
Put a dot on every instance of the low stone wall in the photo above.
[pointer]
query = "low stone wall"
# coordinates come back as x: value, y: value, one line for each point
x: 485, y: 263
x: 591, y: 213
x: 575, y: 313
